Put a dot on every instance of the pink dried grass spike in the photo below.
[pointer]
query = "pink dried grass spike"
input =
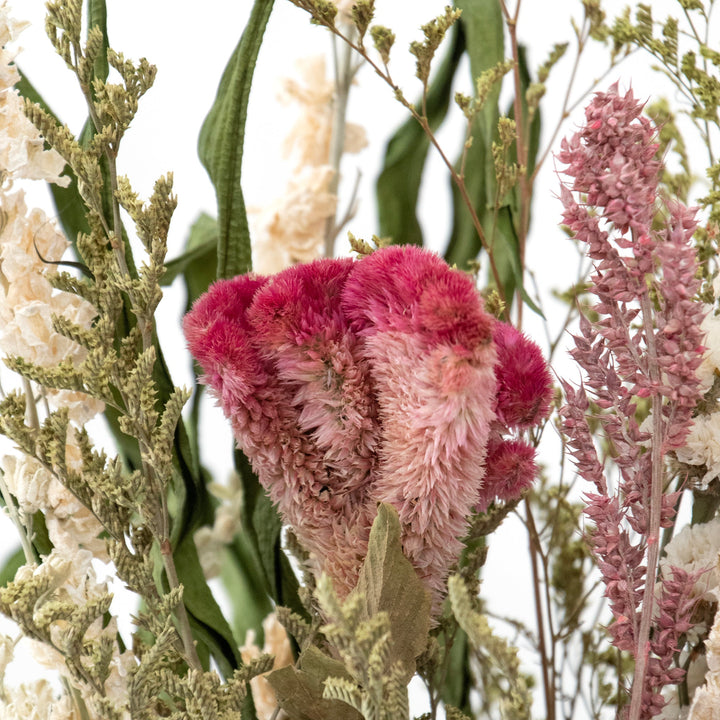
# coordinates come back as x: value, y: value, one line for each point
x: 647, y: 343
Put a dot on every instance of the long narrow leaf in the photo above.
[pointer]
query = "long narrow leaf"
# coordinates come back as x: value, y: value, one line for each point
x: 482, y: 23
x: 221, y: 145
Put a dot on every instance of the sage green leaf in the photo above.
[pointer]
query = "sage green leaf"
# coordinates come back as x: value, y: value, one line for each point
x: 398, y: 185
x: 11, y: 566
x: 221, y: 145
x: 300, y: 691
x: 388, y: 582
x: 209, y: 626
x: 483, y: 25
x: 455, y: 690
x: 199, y: 261
x: 244, y: 582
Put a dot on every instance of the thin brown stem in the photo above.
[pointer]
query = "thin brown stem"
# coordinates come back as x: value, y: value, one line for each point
x: 424, y: 124
x: 533, y: 546
x: 180, y: 611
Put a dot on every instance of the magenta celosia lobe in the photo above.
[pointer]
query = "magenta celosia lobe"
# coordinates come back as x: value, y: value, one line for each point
x: 350, y: 383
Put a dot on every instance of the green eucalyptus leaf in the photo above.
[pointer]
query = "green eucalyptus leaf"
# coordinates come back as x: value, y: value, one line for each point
x: 221, y: 145
x: 300, y: 691
x: 398, y: 185
x: 388, y: 582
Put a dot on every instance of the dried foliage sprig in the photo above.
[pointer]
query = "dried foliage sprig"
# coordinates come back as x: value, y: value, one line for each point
x: 646, y: 343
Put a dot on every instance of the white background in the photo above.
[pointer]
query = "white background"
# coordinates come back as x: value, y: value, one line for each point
x: 191, y: 42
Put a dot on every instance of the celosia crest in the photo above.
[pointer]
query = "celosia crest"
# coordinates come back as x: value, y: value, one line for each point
x: 350, y: 383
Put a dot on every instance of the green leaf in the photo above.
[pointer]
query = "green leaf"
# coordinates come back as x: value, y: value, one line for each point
x: 209, y: 626
x: 506, y: 246
x: 97, y: 15
x: 221, y: 145
x: 398, y: 185
x: 483, y: 25
x: 388, y: 582
x: 199, y: 261
x: 455, y: 690
x: 299, y: 691
x: 245, y: 584
x: 11, y: 566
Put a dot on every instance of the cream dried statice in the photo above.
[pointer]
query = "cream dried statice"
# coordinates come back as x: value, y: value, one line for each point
x: 647, y: 343
x: 706, y: 701
x: 696, y: 549
x: 292, y: 228
x: 350, y: 383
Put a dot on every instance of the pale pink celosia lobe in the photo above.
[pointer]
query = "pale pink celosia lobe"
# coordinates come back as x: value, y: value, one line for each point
x: 429, y: 343
x: 647, y: 343
x: 350, y: 383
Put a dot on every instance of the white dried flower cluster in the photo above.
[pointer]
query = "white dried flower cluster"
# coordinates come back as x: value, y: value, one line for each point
x: 703, y: 442
x: 277, y: 644
x: 706, y: 701
x: 28, y: 303
x: 211, y: 541
x: 291, y: 229
x: 70, y: 524
x: 695, y: 549
x: 37, y: 700
x: 22, y: 154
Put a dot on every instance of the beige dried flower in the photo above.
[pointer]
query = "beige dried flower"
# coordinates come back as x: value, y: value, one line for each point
x: 308, y: 141
x: 277, y: 644
x: 37, y: 700
x: 706, y: 702
x: 22, y: 153
x: 292, y: 229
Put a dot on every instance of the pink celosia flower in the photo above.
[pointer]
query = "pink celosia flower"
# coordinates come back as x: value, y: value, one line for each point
x: 352, y: 383
x: 646, y: 344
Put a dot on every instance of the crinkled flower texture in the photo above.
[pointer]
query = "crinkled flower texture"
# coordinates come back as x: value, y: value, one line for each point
x: 706, y: 701
x: 291, y: 229
x: 696, y: 549
x: 350, y: 383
